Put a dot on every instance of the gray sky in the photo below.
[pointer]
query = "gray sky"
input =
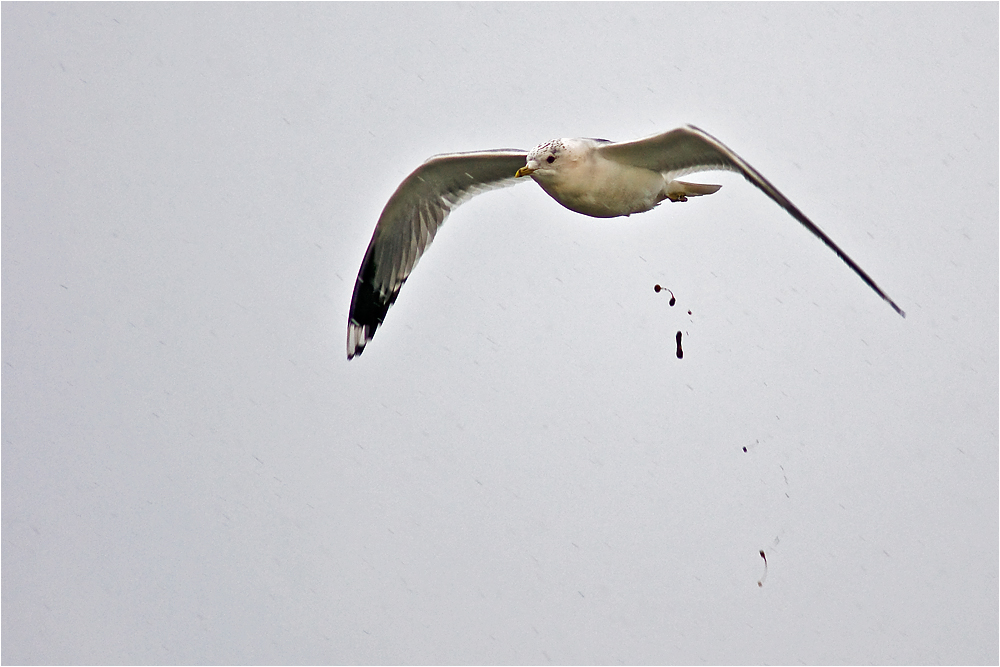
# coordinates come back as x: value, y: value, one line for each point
x: 518, y: 469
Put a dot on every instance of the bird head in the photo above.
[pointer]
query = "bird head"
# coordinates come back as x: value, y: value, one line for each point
x: 542, y: 158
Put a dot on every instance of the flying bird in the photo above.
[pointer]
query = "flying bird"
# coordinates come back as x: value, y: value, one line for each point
x: 595, y: 177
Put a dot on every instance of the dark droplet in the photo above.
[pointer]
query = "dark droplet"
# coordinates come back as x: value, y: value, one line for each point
x: 657, y: 288
x: 680, y: 352
x: 760, y: 583
x: 744, y: 449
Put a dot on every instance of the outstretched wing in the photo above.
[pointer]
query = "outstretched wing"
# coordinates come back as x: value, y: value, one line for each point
x: 407, y: 226
x: 688, y: 149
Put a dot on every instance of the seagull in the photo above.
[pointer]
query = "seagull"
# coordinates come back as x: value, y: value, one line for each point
x: 595, y: 177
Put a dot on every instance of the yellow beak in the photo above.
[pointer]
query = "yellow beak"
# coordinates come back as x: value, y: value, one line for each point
x: 523, y: 171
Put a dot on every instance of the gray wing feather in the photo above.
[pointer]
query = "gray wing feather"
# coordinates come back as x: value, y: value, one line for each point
x: 689, y: 149
x: 409, y: 222
x: 424, y: 199
x: 682, y: 151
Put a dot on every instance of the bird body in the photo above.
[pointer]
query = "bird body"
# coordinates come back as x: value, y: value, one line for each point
x: 620, y: 190
x: 595, y: 177
x: 587, y: 182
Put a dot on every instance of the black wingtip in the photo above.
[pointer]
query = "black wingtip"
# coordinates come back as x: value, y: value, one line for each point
x: 368, y: 308
x: 357, y: 337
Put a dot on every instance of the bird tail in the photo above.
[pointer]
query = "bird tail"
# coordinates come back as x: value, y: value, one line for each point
x: 681, y: 190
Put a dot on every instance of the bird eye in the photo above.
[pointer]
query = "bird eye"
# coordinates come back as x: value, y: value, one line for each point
x: 550, y: 159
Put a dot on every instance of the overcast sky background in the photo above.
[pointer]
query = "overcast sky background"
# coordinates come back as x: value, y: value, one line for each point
x: 518, y: 469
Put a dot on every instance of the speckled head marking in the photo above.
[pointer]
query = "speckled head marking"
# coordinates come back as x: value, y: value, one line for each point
x: 542, y: 152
